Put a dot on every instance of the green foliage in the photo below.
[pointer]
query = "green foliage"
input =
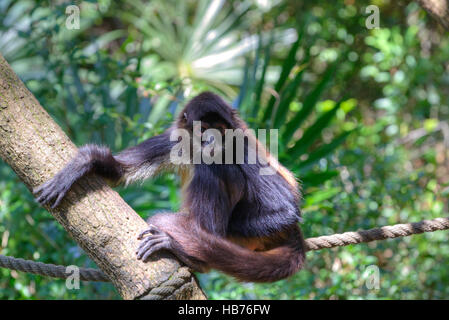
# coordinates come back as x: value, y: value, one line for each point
x: 301, y: 147
x: 361, y: 117
x: 189, y: 48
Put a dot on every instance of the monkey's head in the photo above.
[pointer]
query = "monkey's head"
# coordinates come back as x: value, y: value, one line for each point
x: 208, y: 111
x: 209, y: 108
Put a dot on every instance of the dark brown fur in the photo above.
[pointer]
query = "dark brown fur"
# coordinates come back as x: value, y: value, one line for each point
x: 234, y: 219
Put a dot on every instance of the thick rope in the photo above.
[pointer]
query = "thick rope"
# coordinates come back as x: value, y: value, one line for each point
x: 180, y: 277
x: 387, y: 232
x: 50, y: 270
x: 166, y: 289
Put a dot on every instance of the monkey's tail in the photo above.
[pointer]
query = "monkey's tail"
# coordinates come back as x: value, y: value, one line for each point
x: 254, y: 266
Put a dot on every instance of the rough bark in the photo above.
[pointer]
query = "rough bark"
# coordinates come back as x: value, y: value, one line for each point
x: 93, y: 214
x: 438, y: 9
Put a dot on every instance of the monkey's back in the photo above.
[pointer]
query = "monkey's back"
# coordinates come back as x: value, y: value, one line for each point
x: 268, y: 205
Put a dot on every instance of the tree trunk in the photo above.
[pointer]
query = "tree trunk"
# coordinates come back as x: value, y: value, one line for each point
x: 92, y: 213
x: 438, y: 9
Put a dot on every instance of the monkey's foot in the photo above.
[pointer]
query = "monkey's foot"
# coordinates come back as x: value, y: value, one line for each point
x: 52, y: 191
x: 155, y: 240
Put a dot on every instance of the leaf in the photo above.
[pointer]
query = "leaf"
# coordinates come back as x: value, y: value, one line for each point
x: 228, y: 25
x: 308, y: 105
x: 241, y: 99
x: 248, y: 105
x: 321, y: 195
x: 313, y: 132
x: 102, y: 41
x: 261, y: 81
x: 159, y: 108
x: 287, y: 96
x: 287, y: 66
x: 324, y: 150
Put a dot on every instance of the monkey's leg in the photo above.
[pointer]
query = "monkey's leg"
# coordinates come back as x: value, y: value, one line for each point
x: 165, y: 232
x: 155, y: 240
x: 201, y: 250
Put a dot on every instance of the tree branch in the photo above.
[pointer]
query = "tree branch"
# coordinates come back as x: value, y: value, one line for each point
x: 438, y: 9
x: 92, y: 213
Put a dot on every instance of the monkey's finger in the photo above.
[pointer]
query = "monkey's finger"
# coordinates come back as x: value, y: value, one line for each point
x: 49, y: 185
x: 46, y: 192
x: 147, y: 247
x: 43, y: 198
x: 37, y: 190
x: 40, y: 188
x: 143, y: 234
x: 58, y: 200
x: 40, y: 199
x: 141, y: 251
x: 153, y: 249
x: 152, y: 229
x: 143, y: 242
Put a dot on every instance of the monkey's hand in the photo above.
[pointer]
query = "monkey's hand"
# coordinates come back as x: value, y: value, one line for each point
x: 155, y: 240
x: 53, y: 191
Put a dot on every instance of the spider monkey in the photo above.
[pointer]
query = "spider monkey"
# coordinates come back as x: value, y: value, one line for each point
x: 232, y: 219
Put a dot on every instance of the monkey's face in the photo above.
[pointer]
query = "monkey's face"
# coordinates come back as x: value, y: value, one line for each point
x: 213, y: 121
x: 206, y: 117
x: 210, y: 132
x: 207, y: 133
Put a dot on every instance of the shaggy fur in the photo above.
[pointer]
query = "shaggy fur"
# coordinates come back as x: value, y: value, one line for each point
x: 233, y: 219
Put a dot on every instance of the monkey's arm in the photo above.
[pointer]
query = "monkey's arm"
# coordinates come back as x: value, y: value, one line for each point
x: 138, y: 162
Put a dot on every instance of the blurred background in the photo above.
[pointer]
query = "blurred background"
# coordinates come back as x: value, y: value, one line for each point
x: 362, y: 113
